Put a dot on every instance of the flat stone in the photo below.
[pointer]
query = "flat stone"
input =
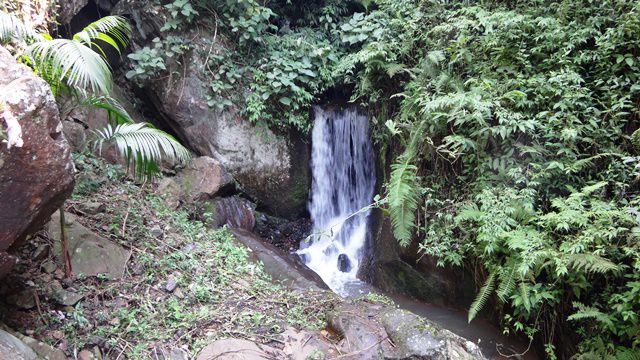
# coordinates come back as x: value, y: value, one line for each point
x: 92, y: 208
x: 90, y: 253
x: 237, y: 349
x: 66, y: 298
x: 41, y: 252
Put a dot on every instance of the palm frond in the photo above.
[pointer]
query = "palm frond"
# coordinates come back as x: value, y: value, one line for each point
x: 71, y: 62
x: 403, y: 193
x: 142, y: 146
x: 116, y: 112
x: 114, y: 30
x: 13, y: 28
x: 482, y: 297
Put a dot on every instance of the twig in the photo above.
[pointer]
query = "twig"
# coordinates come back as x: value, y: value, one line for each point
x: 66, y: 260
x: 124, y: 223
x: 37, y: 300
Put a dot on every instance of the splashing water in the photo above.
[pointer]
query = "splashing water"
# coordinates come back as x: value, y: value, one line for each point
x: 343, y: 169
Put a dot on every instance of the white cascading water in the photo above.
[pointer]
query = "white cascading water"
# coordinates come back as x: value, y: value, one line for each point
x: 343, y: 169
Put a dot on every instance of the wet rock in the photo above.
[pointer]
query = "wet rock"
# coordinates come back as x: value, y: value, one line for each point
x: 283, y: 233
x: 13, y: 348
x: 23, y: 299
x: 360, y: 333
x: 237, y: 349
x: 48, y: 266
x: 233, y: 211
x: 344, y: 264
x: 66, y: 298
x: 41, y: 252
x: 415, y: 338
x: 37, y: 177
x: 90, y: 253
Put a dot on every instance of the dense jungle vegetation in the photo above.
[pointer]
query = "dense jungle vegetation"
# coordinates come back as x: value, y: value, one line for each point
x: 511, y: 125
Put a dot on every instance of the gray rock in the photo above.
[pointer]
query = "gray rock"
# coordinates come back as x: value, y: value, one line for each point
x: 48, y: 266
x: 13, y: 348
x: 417, y: 338
x: 90, y: 253
x: 23, y: 299
x: 179, y: 354
x: 66, y: 298
x: 43, y: 350
x: 41, y: 252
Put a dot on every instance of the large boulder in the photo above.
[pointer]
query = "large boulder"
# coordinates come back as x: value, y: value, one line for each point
x: 271, y: 168
x: 36, y: 178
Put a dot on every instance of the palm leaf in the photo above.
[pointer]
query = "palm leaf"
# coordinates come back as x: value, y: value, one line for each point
x: 71, y: 62
x: 142, y: 146
x: 114, y: 30
x: 482, y: 297
x: 13, y: 28
x: 117, y: 114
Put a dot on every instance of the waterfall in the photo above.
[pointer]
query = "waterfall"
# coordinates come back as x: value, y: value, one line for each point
x: 342, y: 164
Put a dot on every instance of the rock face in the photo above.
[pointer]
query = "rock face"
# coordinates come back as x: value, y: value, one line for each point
x: 36, y: 178
x: 271, y: 168
x: 90, y: 254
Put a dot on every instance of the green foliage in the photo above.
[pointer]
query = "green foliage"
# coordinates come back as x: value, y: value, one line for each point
x: 74, y: 66
x: 524, y: 163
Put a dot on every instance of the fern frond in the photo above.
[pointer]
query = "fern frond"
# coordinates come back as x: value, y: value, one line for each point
x: 507, y: 279
x: 403, y: 193
x: 142, y: 146
x: 589, y: 312
x: 590, y: 263
x: 482, y: 297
